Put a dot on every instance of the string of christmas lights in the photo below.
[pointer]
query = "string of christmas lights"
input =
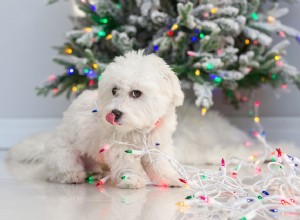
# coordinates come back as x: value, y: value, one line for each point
x: 232, y: 191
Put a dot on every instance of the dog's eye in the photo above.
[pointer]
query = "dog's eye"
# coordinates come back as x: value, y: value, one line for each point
x: 135, y: 93
x: 114, y: 91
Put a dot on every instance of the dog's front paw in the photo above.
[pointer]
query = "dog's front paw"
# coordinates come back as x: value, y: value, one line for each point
x: 169, y: 180
x: 163, y: 175
x: 131, y: 182
x: 68, y: 177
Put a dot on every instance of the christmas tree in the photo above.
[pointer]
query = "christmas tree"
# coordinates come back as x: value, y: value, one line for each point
x: 210, y: 44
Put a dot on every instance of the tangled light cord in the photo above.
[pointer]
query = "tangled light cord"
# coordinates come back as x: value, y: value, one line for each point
x: 232, y: 191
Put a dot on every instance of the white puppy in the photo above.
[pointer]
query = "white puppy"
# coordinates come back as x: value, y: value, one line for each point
x: 137, y: 94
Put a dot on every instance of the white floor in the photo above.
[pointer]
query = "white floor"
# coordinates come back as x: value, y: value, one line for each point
x: 40, y: 200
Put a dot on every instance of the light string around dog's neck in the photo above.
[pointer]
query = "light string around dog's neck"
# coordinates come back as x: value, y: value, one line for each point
x: 215, y: 193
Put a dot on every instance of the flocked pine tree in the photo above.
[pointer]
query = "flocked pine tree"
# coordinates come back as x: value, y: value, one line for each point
x: 213, y: 44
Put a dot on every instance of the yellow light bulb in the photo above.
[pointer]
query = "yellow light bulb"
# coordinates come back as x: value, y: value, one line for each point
x: 88, y: 29
x: 252, y: 157
x: 214, y: 10
x: 256, y: 119
x: 247, y: 41
x: 68, y: 50
x: 181, y: 204
x: 95, y: 66
x: 174, y: 27
x: 271, y: 19
x: 186, y: 186
x: 108, y: 37
x: 197, y: 72
x: 203, y: 111
x: 74, y: 89
x: 277, y: 57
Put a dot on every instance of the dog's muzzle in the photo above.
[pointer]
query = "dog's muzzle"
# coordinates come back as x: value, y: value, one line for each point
x: 114, y: 116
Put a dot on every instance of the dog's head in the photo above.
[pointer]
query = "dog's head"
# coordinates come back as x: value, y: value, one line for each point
x: 137, y: 90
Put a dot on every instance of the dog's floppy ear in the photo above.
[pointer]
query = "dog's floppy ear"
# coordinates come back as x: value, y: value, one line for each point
x: 172, y: 86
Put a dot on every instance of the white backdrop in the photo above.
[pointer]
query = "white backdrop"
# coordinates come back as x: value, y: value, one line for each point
x: 30, y: 28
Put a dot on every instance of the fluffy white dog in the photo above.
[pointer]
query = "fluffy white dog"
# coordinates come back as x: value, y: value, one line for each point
x: 136, y: 103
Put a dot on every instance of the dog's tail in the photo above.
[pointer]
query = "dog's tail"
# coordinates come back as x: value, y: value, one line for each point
x: 29, y: 150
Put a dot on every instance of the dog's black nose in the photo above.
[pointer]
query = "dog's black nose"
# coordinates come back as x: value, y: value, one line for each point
x: 117, y: 113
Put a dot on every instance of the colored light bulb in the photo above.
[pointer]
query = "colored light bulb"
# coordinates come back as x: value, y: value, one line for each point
x: 71, y: 71
x: 101, y: 33
x: 247, y: 41
x: 181, y: 204
x: 95, y: 66
x: 257, y: 103
x: 265, y: 193
x: 155, y: 47
x: 74, y: 89
x: 68, y: 50
x: 203, y: 111
x: 123, y: 177
x: 93, y: 8
x: 279, y: 152
x: 51, y: 77
x: 209, y: 66
x: 259, y: 197
x: 194, y: 38
x: 189, y: 197
x: 283, y: 86
x: 277, y: 57
x: 271, y: 19
x: 183, y: 180
x: 170, y: 33
x: 214, y: 10
x: 128, y: 151
x: 174, y: 27
x: 254, y: 16
x: 197, y: 72
x: 201, y: 35
x: 55, y: 90
x: 204, y: 198
x: 283, y: 202
x: 88, y: 29
x: 256, y: 119
x: 91, y: 82
x: 108, y: 37
x: 223, y: 162
x: 103, y: 20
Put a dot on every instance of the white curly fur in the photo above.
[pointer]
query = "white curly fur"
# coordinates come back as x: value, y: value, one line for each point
x: 79, y: 137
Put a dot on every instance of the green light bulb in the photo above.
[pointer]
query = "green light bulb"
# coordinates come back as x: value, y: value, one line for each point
x: 259, y: 197
x: 123, y: 177
x: 86, y: 70
x: 103, y: 20
x: 101, y: 33
x: 189, y: 197
x: 203, y: 177
x: 209, y: 66
x: 254, y: 16
x: 128, y: 151
x: 274, y: 76
x: 218, y: 80
x: 201, y: 35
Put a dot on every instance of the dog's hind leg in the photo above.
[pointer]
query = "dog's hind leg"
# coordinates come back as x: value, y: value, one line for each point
x: 64, y: 165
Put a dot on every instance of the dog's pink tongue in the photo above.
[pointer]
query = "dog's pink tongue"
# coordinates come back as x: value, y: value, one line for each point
x: 110, y: 117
